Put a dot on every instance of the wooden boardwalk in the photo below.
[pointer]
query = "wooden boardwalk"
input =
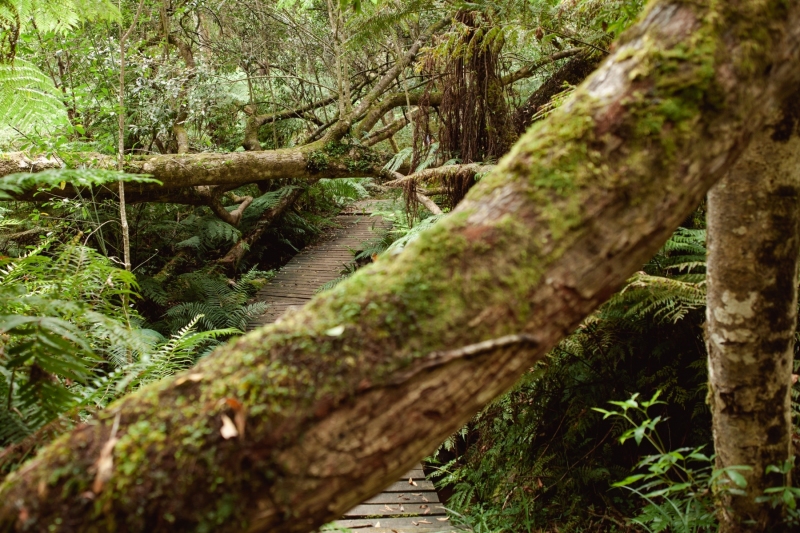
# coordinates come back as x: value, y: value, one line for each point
x: 410, y: 504
x: 314, y: 266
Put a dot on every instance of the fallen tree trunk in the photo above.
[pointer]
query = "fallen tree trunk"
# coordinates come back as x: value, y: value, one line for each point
x: 180, y: 174
x: 230, y: 261
x: 333, y: 403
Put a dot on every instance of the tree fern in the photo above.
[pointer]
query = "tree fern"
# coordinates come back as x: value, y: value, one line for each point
x: 28, y: 98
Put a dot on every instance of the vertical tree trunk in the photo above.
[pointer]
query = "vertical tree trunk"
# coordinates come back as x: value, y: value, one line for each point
x: 126, y: 242
x: 753, y: 249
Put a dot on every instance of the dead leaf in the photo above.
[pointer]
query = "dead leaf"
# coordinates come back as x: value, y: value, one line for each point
x: 240, y: 418
x: 794, y: 378
x: 388, y: 508
x: 416, y: 494
x: 424, y: 499
x: 377, y: 524
x: 412, y: 482
x: 415, y: 523
x: 335, y: 331
x: 234, y: 404
x: 423, y: 506
x: 193, y: 377
x: 228, y: 429
x: 445, y: 519
x: 426, y: 511
x: 402, y: 509
x: 23, y: 515
x: 425, y: 522
x: 104, y: 465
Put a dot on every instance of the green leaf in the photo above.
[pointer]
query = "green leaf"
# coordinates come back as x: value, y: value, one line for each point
x: 638, y: 434
x: 737, y: 478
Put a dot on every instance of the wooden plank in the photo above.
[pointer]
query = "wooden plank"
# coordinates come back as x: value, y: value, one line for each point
x: 416, y: 473
x: 397, y: 509
x: 394, y: 523
x: 393, y: 498
x: 404, y: 486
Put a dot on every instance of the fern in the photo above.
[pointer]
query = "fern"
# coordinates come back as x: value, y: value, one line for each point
x: 221, y: 304
x: 543, y: 437
x: 344, y: 189
x: 70, y: 346
x: 28, y: 98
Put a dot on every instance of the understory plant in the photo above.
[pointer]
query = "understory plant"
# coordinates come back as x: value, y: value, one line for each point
x: 679, y: 487
x: 540, y: 457
x: 70, y: 342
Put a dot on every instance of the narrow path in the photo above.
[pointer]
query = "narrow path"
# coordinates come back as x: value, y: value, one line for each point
x: 314, y: 266
x: 411, y: 504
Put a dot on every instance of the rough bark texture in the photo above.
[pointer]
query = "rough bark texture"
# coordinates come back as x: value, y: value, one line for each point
x: 345, y: 394
x: 753, y: 245
x: 12, y: 162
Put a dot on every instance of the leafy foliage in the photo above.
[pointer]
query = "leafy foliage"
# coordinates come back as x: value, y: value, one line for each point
x: 70, y: 343
x: 539, y: 457
x: 680, y: 486
x: 219, y: 302
x: 28, y: 98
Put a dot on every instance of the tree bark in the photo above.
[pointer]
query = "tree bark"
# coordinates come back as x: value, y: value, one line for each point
x: 179, y: 174
x: 347, y: 393
x: 753, y: 247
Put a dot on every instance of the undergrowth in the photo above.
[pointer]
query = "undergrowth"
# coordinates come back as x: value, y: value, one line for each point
x: 540, y: 458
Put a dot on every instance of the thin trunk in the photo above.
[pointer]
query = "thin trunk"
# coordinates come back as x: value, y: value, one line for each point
x: 347, y: 393
x: 123, y: 216
x: 753, y: 245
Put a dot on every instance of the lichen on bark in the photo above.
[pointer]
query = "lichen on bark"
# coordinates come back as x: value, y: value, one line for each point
x: 754, y: 242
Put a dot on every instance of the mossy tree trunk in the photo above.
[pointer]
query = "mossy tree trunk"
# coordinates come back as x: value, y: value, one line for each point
x: 753, y: 245
x: 342, y: 396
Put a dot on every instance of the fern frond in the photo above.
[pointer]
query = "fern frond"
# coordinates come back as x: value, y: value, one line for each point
x: 28, y: 98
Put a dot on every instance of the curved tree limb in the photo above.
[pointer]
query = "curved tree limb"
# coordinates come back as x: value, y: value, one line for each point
x: 392, y: 101
x: 230, y: 261
x: 388, y: 131
x: 181, y: 175
x: 529, y: 70
x: 429, y: 204
x: 365, y: 103
x: 436, y: 174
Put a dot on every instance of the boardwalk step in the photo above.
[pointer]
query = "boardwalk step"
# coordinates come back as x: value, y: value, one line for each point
x: 430, y: 523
